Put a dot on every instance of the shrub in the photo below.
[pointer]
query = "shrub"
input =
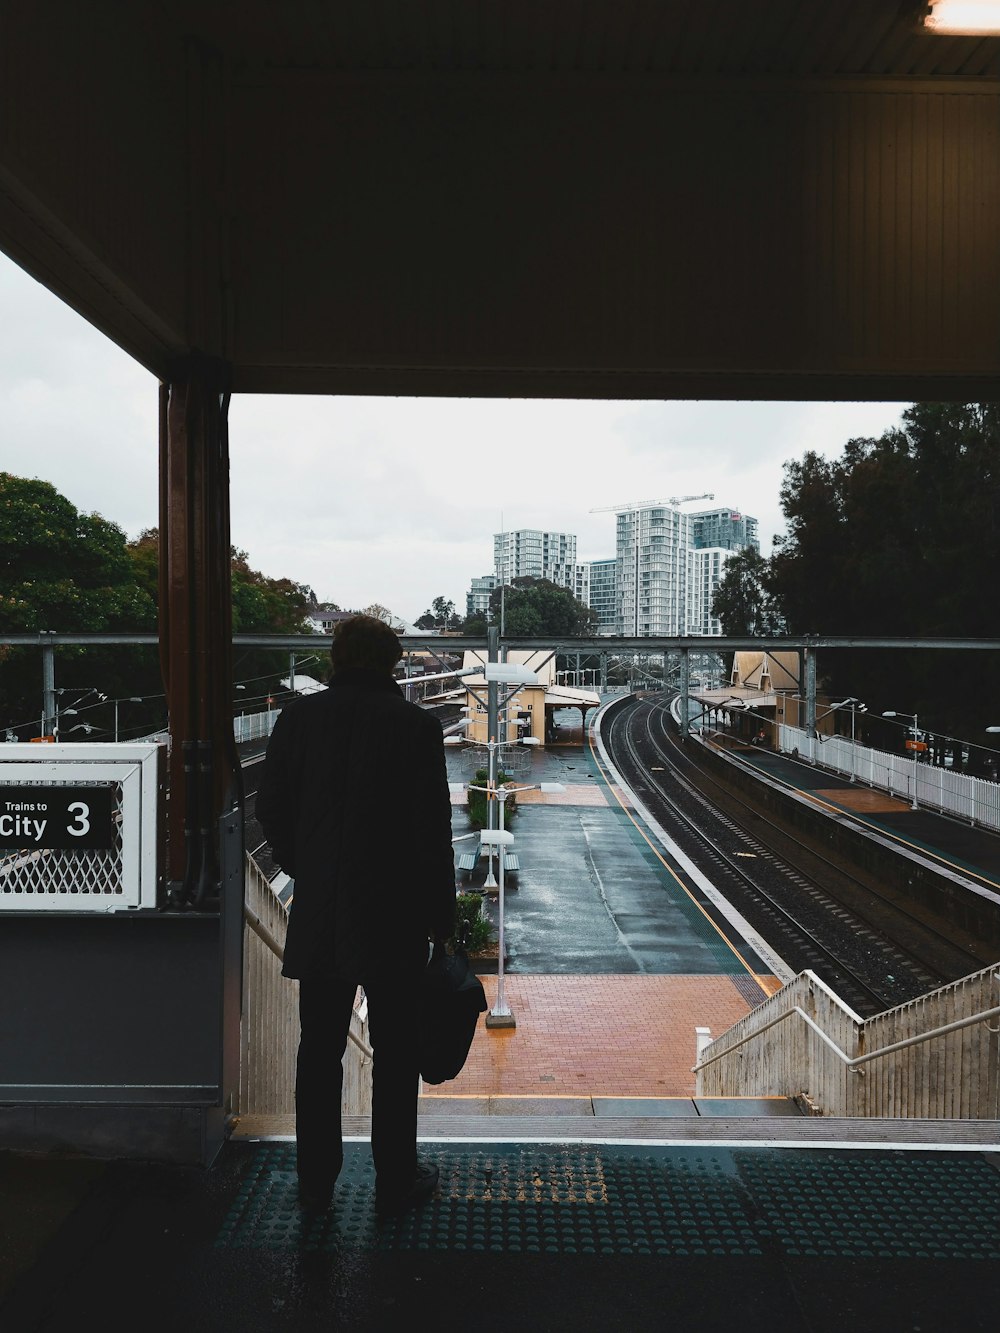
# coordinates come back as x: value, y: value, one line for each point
x: 473, y: 928
x: 478, y: 802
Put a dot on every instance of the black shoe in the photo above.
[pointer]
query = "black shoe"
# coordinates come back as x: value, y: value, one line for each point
x: 393, y: 1200
x: 314, y: 1198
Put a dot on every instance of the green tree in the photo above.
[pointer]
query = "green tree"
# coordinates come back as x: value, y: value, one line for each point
x: 64, y: 570
x: 61, y: 569
x: 534, y: 607
x: 885, y: 540
x: 440, y: 616
x: 264, y: 605
x: 742, y: 600
x: 474, y: 624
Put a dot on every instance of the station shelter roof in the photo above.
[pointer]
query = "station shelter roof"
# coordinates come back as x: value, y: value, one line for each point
x: 540, y: 660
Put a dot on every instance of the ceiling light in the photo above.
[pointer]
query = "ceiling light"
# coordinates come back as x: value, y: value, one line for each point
x: 969, y: 17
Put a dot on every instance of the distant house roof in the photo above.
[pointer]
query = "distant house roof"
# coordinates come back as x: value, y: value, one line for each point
x: 562, y: 696
x: 781, y: 669
x: 324, y: 620
x: 304, y: 684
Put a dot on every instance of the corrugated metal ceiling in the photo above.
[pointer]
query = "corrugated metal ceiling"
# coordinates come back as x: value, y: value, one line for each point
x: 771, y: 38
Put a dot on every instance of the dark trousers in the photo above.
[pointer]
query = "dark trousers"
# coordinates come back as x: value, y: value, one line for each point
x: 325, y: 1008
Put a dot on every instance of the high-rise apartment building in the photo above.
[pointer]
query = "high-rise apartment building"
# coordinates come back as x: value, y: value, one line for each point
x: 669, y: 565
x: 603, y: 594
x: 477, y: 599
x: 705, y: 569
x: 726, y: 529
x: 651, y: 551
x: 526, y: 553
x: 581, y: 583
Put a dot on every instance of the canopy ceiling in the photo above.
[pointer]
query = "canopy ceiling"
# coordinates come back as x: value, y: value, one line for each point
x: 655, y: 198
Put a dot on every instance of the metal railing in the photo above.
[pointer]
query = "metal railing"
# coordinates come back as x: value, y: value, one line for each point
x: 269, y: 1028
x: 254, y: 726
x: 935, y: 1057
x: 976, y: 800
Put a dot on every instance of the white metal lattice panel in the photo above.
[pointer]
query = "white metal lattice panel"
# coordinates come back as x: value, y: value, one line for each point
x: 121, y: 874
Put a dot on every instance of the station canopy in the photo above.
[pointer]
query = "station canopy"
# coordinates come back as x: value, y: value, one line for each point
x: 521, y: 198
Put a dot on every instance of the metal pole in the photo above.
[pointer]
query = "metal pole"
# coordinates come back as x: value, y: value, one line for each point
x: 685, y: 687
x: 492, y: 718
x: 500, y: 1015
x: 50, y: 716
x: 916, y: 756
x: 291, y: 672
x: 492, y: 727
x: 810, y: 672
x: 854, y: 709
x: 116, y: 720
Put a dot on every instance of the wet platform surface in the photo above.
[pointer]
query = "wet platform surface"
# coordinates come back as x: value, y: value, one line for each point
x: 529, y: 1236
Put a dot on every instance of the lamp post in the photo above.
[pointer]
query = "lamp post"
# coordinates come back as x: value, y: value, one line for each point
x: 856, y: 706
x: 500, y: 1016
x: 499, y: 673
x: 81, y: 695
x: 916, y: 739
x: 64, y: 712
x: 132, y: 699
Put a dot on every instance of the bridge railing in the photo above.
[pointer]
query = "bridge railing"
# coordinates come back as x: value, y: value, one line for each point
x: 934, y: 1058
x: 269, y: 1029
x: 976, y: 800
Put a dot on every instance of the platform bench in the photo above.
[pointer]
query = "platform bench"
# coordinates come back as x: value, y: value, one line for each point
x: 467, y: 862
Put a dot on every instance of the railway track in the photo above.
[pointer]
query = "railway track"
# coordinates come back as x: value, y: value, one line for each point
x: 816, y: 913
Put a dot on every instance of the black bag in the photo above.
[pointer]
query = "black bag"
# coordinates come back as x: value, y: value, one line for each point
x: 451, y: 1000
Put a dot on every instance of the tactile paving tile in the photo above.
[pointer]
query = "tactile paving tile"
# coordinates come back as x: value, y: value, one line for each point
x: 881, y: 1205
x: 605, y: 1200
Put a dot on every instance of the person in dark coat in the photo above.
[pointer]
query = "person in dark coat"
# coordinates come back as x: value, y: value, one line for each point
x: 354, y: 801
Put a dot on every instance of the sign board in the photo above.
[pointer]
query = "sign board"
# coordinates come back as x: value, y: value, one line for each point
x: 80, y: 826
x: 916, y: 745
x: 56, y: 817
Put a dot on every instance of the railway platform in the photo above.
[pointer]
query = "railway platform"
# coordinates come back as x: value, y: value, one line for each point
x: 583, y: 1184
x: 956, y: 844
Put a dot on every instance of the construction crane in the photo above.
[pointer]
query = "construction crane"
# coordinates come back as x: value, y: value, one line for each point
x: 650, y: 504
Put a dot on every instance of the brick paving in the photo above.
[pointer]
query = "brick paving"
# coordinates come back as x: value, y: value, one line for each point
x: 596, y: 1036
x: 862, y: 799
x: 578, y: 793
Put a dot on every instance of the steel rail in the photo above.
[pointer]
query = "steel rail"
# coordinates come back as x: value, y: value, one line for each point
x: 976, y: 960
x: 918, y: 968
x: 823, y: 953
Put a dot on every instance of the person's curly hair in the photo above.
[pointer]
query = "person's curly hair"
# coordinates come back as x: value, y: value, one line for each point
x: 365, y: 642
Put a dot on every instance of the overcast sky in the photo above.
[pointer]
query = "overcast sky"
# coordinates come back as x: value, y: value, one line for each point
x: 391, y: 500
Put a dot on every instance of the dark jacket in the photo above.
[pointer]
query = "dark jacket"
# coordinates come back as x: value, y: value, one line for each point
x: 354, y: 801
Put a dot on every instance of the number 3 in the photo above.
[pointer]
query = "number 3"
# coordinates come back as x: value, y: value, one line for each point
x: 81, y: 821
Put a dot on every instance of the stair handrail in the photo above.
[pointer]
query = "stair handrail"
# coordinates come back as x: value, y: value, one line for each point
x: 852, y: 1062
x: 262, y: 933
